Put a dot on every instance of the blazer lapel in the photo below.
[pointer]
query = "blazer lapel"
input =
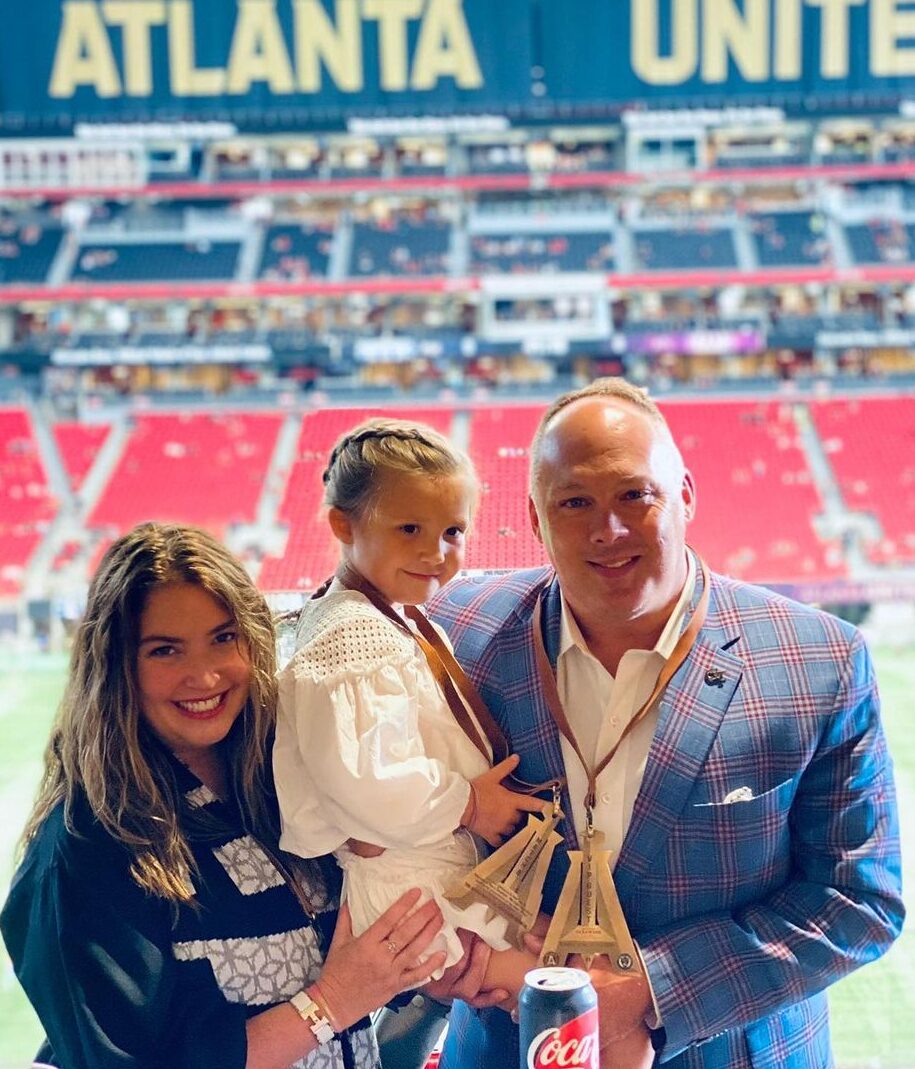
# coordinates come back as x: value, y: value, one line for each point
x: 690, y: 715
x: 546, y: 761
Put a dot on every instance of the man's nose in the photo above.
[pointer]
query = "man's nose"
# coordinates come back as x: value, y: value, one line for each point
x: 610, y: 526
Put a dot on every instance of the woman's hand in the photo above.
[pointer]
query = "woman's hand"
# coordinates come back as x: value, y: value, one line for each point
x: 494, y: 811
x: 362, y: 973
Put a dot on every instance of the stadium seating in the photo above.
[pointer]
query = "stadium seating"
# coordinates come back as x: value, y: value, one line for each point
x: 28, y: 246
x: 792, y: 237
x: 202, y: 469
x: 401, y: 246
x: 499, y: 447
x: 295, y: 251
x: 881, y: 241
x: 756, y: 517
x: 756, y: 495
x: 157, y: 261
x: 26, y: 503
x: 679, y: 248
x: 78, y: 444
x: 871, y: 445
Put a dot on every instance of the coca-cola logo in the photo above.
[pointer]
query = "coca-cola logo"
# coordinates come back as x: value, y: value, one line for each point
x: 572, y: 1046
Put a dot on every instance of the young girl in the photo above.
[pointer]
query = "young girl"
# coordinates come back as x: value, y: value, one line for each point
x: 370, y: 761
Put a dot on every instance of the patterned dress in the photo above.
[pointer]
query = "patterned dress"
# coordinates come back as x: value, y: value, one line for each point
x: 121, y: 978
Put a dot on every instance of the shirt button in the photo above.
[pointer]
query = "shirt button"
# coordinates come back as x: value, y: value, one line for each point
x: 605, y: 798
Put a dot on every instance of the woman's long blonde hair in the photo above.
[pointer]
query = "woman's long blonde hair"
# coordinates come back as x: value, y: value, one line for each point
x: 101, y: 748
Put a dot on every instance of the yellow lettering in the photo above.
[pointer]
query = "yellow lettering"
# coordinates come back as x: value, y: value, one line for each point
x: 787, y: 39
x: 188, y: 80
x: 135, y: 19
x: 889, y: 26
x: 834, y: 36
x: 83, y: 55
x: 648, y: 64
x: 392, y: 17
x: 745, y: 38
x: 317, y: 40
x: 444, y: 48
x: 258, y: 52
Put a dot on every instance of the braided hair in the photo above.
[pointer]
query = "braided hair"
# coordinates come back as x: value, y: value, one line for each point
x: 379, y: 445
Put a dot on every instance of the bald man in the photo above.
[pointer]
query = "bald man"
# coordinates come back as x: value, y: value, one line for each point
x: 749, y: 810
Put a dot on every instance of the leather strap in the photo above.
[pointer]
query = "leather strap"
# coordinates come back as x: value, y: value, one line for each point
x: 551, y: 692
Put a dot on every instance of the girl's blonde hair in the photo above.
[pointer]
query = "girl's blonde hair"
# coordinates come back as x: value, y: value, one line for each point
x: 362, y: 455
x: 101, y: 748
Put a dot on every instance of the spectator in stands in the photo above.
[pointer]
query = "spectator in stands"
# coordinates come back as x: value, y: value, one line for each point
x: 372, y: 760
x: 153, y: 921
x: 750, y: 811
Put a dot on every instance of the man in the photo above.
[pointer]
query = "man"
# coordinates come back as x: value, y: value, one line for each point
x: 750, y: 811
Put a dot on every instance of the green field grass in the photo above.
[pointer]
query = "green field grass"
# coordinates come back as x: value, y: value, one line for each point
x: 873, y: 1011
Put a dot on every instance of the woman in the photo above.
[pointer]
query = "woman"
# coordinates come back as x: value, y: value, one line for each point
x: 153, y: 922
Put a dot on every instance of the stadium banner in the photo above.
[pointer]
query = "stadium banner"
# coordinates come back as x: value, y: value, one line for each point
x: 265, y: 65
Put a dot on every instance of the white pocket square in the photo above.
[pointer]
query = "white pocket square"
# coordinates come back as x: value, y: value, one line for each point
x: 739, y: 794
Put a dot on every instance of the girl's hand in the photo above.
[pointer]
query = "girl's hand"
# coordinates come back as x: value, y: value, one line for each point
x: 494, y: 811
x: 362, y: 973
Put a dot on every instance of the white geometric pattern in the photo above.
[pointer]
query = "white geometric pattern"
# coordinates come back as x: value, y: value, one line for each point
x: 258, y: 971
x: 270, y: 969
x: 199, y: 796
x: 249, y: 868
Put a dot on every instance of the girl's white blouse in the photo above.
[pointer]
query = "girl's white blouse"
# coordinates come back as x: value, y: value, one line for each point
x: 366, y: 746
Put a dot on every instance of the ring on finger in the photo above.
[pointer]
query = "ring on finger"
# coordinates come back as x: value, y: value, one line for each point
x: 391, y: 945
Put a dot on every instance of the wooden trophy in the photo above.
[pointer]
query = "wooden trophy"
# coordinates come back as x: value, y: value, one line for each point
x: 510, y: 881
x: 588, y: 919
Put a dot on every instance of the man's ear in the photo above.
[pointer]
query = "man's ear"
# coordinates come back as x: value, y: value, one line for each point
x: 688, y: 492
x: 534, y: 518
x: 341, y: 525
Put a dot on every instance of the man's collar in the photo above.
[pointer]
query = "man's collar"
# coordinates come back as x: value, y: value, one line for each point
x: 570, y: 634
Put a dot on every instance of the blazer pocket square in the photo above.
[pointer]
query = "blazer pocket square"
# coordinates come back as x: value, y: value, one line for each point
x: 739, y: 794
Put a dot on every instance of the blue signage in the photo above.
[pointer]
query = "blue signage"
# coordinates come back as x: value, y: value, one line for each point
x: 292, y: 64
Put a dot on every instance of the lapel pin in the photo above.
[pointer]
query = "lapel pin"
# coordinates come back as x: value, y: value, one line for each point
x: 714, y: 678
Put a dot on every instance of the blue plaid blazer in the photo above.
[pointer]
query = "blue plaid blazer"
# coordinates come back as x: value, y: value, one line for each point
x: 745, y: 912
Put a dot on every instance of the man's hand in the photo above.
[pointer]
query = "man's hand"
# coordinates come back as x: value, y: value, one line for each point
x: 623, y: 1001
x: 464, y: 980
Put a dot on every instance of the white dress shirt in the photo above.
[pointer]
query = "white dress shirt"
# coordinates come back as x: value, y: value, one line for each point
x: 599, y: 706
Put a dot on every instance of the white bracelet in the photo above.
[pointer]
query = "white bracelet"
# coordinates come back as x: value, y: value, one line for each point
x: 312, y: 1014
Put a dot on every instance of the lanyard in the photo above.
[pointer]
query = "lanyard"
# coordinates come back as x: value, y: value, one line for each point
x: 554, y: 702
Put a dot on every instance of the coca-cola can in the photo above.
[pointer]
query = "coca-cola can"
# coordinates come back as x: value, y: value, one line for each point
x: 557, y: 1012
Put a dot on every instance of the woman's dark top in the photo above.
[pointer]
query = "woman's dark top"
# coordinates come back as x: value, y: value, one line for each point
x: 122, y: 979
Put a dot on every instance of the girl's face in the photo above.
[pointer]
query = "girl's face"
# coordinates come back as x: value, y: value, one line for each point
x: 193, y: 670
x: 410, y: 541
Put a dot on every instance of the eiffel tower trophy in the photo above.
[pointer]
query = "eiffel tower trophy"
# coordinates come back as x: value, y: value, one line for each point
x: 510, y: 881
x: 588, y: 919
